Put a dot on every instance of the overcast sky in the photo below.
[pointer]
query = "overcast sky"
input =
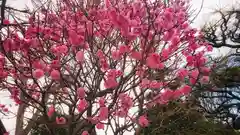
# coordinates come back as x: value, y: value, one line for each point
x: 208, y: 7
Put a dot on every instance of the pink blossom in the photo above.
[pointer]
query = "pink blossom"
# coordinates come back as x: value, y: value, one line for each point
x: 17, y: 101
x: 209, y: 48
x: 80, y: 56
x: 113, y: 16
x: 205, y: 70
x: 192, y: 81
x: 126, y: 102
x: 55, y: 74
x: 3, y: 74
x: 155, y: 85
x: 175, y: 40
x: 190, y: 60
x: 55, y: 64
x: 2, y: 58
x: 6, y: 22
x: 167, y: 36
x: 161, y: 66
x: 193, y: 46
x: 82, y: 105
x: 201, y: 61
x: 9, y: 45
x: 38, y: 64
x: 166, y: 95
x: 185, y: 25
x: 35, y: 43
x: 5, y: 109
x: 140, y: 72
x: 81, y: 92
x: 47, y: 68
x: 135, y: 23
x: 177, y: 94
x: 53, y: 49
x: 165, y: 54
x: 205, y: 79
x: 116, y: 55
x: 168, y: 14
x: 112, y: 73
x: 110, y: 83
x: 136, y: 55
x: 194, y: 74
x: 153, y: 61
x: 60, y: 120
x: 121, y: 113
x: 119, y: 73
x: 86, y: 46
x: 75, y: 39
x: 123, y: 49
x: 101, y: 102
x: 182, y: 73
x: 38, y: 73
x: 62, y: 49
x: 145, y: 83
x: 100, y: 126
x: 51, y: 111
x: 104, y: 65
x: 143, y: 121
x: 186, y: 89
x: 6, y: 133
x: 103, y: 113
x: 2, y: 106
x: 85, y: 133
x: 123, y: 23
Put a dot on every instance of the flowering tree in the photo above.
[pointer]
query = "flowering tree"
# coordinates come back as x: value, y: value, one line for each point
x: 99, y: 64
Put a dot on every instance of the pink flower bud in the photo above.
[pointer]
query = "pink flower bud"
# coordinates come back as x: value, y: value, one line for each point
x: 6, y: 22
x: 60, y: 120
x: 85, y: 133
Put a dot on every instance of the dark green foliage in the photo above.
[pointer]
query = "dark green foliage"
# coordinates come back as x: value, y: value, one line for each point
x: 50, y: 128
x: 181, y: 119
x: 226, y: 77
x: 44, y: 131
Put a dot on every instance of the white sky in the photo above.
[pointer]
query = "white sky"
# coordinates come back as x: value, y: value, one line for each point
x: 208, y: 7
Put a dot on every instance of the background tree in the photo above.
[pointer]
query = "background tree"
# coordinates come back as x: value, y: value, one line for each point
x: 95, y: 63
x: 223, y: 102
x: 225, y: 31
